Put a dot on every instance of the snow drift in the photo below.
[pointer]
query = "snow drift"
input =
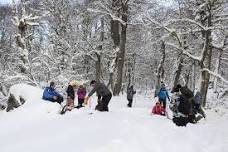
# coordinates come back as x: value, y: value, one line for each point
x: 36, y: 126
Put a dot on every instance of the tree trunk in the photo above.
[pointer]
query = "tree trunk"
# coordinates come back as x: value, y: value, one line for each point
x: 177, y: 73
x: 217, y: 67
x: 194, y: 76
x: 115, y: 34
x: 98, y: 68
x: 100, y: 47
x: 206, y: 63
x: 121, y: 54
x: 160, y: 70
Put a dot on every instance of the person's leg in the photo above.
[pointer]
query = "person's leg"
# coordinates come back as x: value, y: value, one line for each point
x: 80, y: 102
x: 129, y: 102
x: 105, y: 102
x: 164, y: 104
x: 51, y: 99
x: 99, y: 105
x: 59, y: 99
x: 160, y: 101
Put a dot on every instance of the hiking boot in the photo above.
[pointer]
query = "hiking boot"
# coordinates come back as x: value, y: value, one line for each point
x: 128, y: 105
x: 105, y: 109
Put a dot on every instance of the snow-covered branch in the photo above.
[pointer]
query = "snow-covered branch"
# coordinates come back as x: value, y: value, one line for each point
x: 216, y: 75
x: 189, y: 21
x: 115, y: 18
x: 225, y: 59
x: 185, y: 52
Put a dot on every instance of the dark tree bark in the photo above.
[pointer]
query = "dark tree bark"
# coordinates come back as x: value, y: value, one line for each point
x: 121, y: 53
x: 160, y: 70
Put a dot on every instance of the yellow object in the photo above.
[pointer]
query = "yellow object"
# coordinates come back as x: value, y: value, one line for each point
x: 74, y: 83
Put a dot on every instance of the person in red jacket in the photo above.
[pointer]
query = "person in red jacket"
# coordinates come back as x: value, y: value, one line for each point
x: 158, y: 109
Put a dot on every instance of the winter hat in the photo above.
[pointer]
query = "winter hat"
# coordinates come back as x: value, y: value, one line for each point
x: 92, y: 82
x: 74, y: 83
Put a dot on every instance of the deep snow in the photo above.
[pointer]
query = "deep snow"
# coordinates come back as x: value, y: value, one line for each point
x: 36, y: 126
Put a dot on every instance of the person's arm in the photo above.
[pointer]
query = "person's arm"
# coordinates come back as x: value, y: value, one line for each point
x: 57, y: 94
x: 167, y: 94
x: 93, y: 91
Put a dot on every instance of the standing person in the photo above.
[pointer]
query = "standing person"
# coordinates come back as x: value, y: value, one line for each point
x: 103, y: 93
x: 130, y: 94
x: 81, y: 95
x: 51, y: 94
x: 163, y: 95
x: 70, y: 96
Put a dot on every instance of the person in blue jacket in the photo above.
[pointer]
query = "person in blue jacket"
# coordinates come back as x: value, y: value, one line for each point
x: 163, y: 95
x: 51, y: 94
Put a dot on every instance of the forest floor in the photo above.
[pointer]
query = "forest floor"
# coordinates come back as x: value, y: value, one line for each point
x: 36, y: 126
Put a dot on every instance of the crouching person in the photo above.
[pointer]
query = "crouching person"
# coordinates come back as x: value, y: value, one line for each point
x: 182, y: 108
x: 103, y: 93
x: 158, y: 109
x: 51, y: 94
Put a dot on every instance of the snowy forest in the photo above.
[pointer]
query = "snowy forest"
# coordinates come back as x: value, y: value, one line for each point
x: 170, y: 55
x: 119, y: 42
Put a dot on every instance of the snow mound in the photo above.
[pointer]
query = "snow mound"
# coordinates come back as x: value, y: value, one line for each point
x: 33, y: 99
x: 36, y: 126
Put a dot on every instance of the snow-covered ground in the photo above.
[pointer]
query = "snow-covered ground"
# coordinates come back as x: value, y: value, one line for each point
x: 36, y: 126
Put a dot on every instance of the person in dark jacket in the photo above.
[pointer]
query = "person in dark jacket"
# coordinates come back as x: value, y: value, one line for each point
x: 51, y: 94
x: 71, y: 93
x: 163, y: 95
x: 81, y: 95
x: 103, y: 93
x: 70, y: 97
x: 130, y: 94
x: 183, y: 112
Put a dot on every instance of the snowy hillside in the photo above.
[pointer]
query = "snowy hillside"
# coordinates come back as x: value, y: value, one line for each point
x: 36, y: 126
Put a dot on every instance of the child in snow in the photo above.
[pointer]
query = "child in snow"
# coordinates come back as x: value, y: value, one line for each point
x: 158, y: 109
x: 51, y: 94
x: 81, y: 95
x: 163, y: 95
x: 70, y: 96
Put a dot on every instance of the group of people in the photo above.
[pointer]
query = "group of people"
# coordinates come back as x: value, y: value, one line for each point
x: 103, y: 93
x: 186, y: 106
